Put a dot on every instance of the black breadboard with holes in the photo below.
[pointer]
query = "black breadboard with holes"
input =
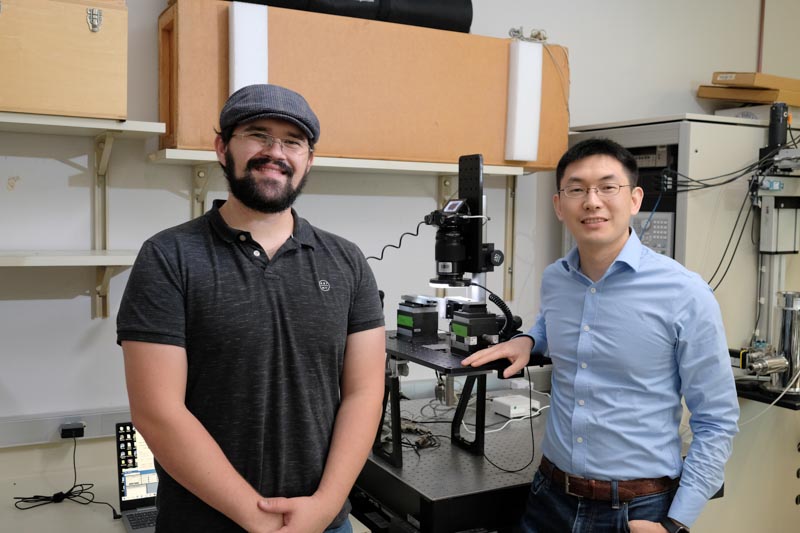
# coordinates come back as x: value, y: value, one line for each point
x: 450, y: 489
x: 435, y: 356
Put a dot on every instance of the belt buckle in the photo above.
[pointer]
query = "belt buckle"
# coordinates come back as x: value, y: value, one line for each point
x: 566, y: 487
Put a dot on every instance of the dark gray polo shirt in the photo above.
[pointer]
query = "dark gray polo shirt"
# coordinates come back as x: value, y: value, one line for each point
x: 265, y: 341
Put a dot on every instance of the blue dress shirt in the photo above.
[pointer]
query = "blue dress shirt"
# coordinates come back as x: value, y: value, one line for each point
x: 625, y: 350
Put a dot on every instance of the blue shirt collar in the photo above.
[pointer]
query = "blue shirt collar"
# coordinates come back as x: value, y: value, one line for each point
x: 630, y: 255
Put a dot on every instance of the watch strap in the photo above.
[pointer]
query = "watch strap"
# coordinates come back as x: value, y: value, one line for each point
x: 673, y: 527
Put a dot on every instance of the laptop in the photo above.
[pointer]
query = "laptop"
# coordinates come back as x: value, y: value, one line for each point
x: 136, y: 479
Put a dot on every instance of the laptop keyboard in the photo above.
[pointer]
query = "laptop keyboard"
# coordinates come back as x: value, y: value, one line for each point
x: 143, y: 519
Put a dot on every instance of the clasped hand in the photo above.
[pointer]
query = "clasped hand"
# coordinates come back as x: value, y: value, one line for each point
x: 303, y: 514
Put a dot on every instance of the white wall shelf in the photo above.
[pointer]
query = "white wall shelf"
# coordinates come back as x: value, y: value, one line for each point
x: 78, y: 126
x: 173, y: 156
x: 67, y: 258
x: 106, y: 262
x: 204, y: 162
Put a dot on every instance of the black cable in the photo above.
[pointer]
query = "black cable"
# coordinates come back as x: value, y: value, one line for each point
x: 533, y: 443
x: 691, y: 184
x: 735, y: 175
x: 730, y: 237
x: 428, y: 439
x: 753, y: 231
x: 399, y: 243
x: 79, y: 493
x: 759, y: 305
x: 739, y: 240
x: 508, y: 326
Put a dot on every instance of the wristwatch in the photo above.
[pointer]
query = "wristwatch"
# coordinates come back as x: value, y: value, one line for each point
x: 672, y: 526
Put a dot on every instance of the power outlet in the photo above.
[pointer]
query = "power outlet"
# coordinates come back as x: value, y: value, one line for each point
x: 72, y: 430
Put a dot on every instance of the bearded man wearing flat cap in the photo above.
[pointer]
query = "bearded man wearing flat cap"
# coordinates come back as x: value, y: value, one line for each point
x: 254, y: 342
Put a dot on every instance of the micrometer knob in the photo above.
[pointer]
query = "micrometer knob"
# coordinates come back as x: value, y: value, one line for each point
x: 496, y: 258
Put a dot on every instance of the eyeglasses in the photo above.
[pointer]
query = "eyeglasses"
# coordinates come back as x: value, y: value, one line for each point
x: 606, y: 189
x: 265, y: 141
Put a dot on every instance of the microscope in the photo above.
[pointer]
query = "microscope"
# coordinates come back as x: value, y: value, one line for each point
x: 460, y: 249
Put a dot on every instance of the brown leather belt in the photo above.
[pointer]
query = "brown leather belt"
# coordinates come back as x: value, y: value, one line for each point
x: 595, y: 489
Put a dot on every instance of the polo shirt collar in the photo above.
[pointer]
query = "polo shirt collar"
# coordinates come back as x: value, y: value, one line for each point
x: 303, y: 233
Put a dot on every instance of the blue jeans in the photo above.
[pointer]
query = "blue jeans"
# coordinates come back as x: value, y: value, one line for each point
x: 551, y: 510
x: 344, y: 528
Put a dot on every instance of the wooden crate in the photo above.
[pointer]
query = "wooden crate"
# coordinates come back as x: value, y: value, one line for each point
x: 54, y: 64
x: 749, y: 95
x: 756, y: 80
x: 381, y: 90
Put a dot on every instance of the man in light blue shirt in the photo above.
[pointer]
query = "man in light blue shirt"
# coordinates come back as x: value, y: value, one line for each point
x: 630, y: 332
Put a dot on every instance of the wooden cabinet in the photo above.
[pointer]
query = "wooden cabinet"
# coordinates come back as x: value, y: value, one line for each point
x: 64, y: 57
x: 382, y: 91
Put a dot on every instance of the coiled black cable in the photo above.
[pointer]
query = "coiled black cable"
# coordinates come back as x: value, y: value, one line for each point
x: 512, y: 323
x: 399, y: 243
x: 79, y: 493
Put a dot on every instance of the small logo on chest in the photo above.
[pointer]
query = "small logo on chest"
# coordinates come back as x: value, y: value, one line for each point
x: 324, y: 286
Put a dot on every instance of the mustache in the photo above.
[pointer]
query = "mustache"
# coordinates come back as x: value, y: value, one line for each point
x: 260, y: 161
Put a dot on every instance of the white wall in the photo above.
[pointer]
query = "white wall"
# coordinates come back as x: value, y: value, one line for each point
x: 628, y: 59
x: 781, y: 38
x: 632, y: 58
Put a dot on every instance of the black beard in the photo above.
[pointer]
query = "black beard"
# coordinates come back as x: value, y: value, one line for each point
x: 246, y: 190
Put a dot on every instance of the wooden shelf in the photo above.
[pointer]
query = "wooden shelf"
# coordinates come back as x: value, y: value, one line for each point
x: 172, y: 156
x: 67, y: 258
x: 86, y: 127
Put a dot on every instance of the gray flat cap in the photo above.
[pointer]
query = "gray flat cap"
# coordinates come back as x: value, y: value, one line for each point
x: 269, y: 101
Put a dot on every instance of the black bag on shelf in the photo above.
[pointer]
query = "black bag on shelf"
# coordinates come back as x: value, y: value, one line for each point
x: 291, y: 4
x: 363, y: 9
x: 453, y: 15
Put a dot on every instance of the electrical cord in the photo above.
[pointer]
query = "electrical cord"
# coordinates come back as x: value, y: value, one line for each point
x: 650, y: 218
x: 537, y: 414
x: 690, y: 184
x: 735, y: 249
x: 759, y: 305
x: 510, y: 324
x: 533, y: 443
x: 79, y: 493
x: 730, y: 238
x: 429, y: 439
x: 767, y: 408
x: 399, y: 243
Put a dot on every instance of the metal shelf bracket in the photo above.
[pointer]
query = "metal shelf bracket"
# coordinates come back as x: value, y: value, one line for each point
x: 103, y: 275
x: 200, y: 179
x: 103, y: 145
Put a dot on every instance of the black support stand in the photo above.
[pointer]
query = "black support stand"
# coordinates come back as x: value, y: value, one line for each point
x: 476, y: 445
x: 442, y: 361
x: 391, y: 393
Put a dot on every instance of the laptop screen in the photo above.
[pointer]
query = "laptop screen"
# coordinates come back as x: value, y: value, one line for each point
x: 136, y: 472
